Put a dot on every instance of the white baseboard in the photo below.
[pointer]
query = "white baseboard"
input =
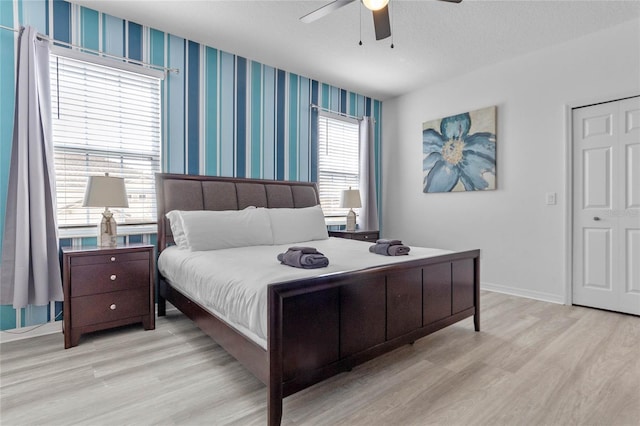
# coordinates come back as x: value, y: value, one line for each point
x: 30, y: 331
x: 529, y: 294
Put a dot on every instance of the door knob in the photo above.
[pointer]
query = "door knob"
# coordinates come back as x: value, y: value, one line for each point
x: 596, y: 218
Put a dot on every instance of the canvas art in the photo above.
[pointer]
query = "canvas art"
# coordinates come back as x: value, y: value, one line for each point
x: 459, y: 152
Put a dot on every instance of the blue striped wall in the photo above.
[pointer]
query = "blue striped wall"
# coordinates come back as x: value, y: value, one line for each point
x: 222, y: 114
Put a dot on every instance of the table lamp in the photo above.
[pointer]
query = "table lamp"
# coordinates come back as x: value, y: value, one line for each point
x: 351, y: 200
x: 106, y: 191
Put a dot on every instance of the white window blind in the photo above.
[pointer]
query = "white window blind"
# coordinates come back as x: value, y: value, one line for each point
x: 104, y: 120
x: 338, y: 161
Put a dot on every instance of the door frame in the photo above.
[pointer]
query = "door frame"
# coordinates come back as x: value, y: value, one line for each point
x: 568, y: 183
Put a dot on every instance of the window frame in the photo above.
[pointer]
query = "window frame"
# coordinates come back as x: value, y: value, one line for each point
x: 337, y: 215
x: 144, y: 225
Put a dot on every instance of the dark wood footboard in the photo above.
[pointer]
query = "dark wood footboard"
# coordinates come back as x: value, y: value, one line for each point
x: 321, y: 327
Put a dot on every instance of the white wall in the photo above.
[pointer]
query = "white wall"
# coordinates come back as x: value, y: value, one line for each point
x: 522, y: 240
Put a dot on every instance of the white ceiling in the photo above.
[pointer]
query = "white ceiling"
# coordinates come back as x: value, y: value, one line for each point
x: 433, y: 40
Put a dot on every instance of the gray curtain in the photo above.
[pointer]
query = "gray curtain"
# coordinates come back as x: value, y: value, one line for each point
x: 30, y: 267
x: 368, y: 219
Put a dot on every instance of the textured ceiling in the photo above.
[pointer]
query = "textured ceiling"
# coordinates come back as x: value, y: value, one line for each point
x: 433, y: 40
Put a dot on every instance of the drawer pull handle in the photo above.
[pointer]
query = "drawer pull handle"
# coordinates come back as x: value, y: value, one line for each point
x: 113, y: 258
x: 112, y: 307
x: 113, y: 277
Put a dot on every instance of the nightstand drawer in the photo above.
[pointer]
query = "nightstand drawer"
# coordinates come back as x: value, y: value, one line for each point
x: 110, y: 259
x: 108, y: 277
x: 106, y: 307
x: 366, y: 236
x: 370, y: 236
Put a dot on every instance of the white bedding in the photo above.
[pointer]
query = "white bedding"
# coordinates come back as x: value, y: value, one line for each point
x: 232, y: 283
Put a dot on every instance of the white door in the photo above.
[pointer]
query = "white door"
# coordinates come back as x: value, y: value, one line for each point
x: 606, y: 206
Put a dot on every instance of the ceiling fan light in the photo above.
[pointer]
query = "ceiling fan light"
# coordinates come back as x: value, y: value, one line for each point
x: 375, y: 4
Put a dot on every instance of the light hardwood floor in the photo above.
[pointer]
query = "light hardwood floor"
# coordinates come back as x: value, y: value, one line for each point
x: 533, y: 363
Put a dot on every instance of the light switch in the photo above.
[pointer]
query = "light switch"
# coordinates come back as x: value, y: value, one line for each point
x: 551, y: 198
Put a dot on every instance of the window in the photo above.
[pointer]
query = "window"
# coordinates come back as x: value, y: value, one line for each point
x: 338, y: 160
x: 105, y: 119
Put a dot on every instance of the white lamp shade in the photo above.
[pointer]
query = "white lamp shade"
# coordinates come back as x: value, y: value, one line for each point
x: 375, y: 4
x: 105, y: 191
x: 350, y: 199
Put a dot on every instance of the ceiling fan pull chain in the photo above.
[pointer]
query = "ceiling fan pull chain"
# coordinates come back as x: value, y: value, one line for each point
x: 360, y: 44
x: 393, y: 20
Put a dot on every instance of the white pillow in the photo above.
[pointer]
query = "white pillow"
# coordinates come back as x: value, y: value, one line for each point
x: 297, y: 225
x: 214, y: 230
x: 177, y: 229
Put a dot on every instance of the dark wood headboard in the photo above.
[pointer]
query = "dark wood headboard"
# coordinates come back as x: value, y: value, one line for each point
x: 192, y: 192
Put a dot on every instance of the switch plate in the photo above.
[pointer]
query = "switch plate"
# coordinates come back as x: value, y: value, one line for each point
x: 551, y: 198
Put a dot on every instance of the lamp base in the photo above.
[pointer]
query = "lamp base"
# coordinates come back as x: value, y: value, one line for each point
x: 107, y: 230
x: 351, y: 221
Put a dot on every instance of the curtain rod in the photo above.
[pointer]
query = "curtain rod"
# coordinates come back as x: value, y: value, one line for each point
x: 339, y: 113
x: 99, y: 52
x: 334, y: 112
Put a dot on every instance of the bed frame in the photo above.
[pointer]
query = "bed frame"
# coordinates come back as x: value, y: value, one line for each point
x: 323, y: 326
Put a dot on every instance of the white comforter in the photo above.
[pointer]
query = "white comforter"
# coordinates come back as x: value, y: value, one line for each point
x: 232, y: 283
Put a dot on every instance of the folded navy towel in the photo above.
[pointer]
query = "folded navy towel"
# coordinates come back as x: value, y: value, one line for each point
x: 389, y: 241
x: 299, y: 259
x: 389, y: 250
x: 398, y: 250
x: 317, y: 260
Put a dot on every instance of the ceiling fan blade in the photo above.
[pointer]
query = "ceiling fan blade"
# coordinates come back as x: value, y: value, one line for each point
x: 324, y: 10
x: 381, y: 23
x: 453, y: 1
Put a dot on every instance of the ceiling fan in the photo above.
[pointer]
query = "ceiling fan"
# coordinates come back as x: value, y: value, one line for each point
x: 380, y: 9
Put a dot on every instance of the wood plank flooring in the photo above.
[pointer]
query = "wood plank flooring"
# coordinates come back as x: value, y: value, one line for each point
x: 533, y: 363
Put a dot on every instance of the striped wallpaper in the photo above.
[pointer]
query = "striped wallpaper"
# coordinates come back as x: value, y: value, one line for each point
x: 222, y: 114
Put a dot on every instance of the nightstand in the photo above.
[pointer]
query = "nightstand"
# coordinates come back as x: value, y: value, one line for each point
x: 106, y: 288
x: 371, y: 236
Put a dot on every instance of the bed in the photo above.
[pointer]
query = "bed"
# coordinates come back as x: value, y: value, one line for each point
x: 319, y: 324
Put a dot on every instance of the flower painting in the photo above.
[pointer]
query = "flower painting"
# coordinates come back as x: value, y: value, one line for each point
x: 459, y: 152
